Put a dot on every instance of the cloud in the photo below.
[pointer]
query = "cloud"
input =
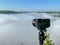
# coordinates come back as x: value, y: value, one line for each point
x: 18, y: 29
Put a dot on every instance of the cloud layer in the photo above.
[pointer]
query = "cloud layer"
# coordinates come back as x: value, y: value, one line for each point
x: 17, y: 29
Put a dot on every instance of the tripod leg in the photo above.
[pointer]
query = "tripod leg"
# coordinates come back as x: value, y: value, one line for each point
x: 41, y: 38
x: 41, y: 42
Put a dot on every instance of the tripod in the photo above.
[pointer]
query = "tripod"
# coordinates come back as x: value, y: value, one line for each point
x: 42, y: 36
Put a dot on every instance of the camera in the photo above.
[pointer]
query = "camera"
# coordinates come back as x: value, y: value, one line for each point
x: 41, y: 23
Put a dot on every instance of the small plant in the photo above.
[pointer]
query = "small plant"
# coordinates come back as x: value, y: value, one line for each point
x: 48, y: 41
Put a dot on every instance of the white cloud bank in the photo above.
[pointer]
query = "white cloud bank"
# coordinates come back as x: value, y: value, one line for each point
x: 17, y: 29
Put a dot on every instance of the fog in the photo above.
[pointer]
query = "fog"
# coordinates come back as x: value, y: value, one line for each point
x: 17, y: 29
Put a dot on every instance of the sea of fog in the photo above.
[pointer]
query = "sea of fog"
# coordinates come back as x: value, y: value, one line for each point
x: 17, y: 29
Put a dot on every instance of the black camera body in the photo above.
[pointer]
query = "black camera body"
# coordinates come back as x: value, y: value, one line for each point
x: 41, y: 23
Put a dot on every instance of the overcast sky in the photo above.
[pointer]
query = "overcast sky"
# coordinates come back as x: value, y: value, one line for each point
x: 30, y: 4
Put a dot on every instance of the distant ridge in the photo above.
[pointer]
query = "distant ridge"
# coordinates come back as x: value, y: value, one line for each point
x: 15, y: 12
x: 7, y: 12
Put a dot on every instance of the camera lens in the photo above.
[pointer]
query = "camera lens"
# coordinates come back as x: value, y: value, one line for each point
x: 34, y: 22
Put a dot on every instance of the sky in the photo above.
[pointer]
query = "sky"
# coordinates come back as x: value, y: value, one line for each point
x: 30, y: 4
